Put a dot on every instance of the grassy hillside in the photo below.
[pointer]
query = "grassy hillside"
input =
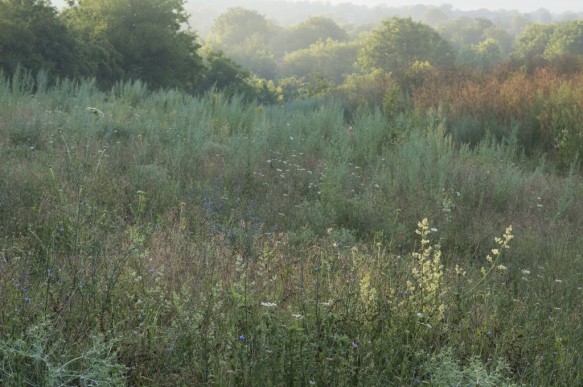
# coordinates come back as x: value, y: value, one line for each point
x: 161, y: 239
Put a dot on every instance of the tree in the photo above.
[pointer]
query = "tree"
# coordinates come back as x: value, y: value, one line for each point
x: 502, y: 37
x: 480, y: 56
x: 137, y: 39
x: 518, y: 24
x: 375, y: 89
x: 465, y: 31
x: 532, y: 42
x: 243, y: 35
x: 333, y: 60
x: 225, y: 75
x: 239, y: 27
x: 312, y: 30
x: 402, y: 42
x: 567, y: 39
x: 32, y: 35
x: 434, y: 17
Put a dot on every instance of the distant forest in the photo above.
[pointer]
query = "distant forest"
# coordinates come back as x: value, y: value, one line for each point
x: 278, y: 51
x: 287, y: 13
x: 265, y: 47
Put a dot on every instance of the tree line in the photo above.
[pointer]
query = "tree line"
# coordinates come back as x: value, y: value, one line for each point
x: 112, y: 41
x: 245, y: 53
x: 398, y: 44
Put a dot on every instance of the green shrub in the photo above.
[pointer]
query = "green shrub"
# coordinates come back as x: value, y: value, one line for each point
x: 444, y: 369
x: 41, y: 358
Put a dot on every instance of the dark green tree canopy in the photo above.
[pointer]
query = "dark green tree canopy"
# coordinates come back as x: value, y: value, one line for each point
x: 32, y: 35
x: 223, y: 74
x: 134, y: 39
x: 400, y: 43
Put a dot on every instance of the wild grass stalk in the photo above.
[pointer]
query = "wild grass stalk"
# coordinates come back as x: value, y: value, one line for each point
x: 178, y: 240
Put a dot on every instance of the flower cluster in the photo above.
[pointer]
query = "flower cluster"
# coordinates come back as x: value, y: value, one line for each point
x: 504, y: 243
x: 427, y: 285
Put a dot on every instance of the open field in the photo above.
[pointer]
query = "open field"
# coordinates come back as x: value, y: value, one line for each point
x: 162, y: 239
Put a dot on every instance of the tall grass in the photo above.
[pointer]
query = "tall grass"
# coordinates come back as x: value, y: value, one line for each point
x: 177, y: 240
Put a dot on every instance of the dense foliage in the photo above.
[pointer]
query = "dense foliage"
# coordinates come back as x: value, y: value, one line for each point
x: 401, y: 43
x: 162, y: 239
x: 31, y: 35
x: 245, y: 34
x: 394, y: 205
x: 125, y: 39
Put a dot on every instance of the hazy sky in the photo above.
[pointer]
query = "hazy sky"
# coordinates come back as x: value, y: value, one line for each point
x: 522, y: 5
x: 556, y: 6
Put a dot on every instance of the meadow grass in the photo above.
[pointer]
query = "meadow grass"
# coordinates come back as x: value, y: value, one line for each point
x: 177, y: 240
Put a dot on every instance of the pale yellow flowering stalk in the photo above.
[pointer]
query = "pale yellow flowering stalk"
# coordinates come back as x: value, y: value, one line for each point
x: 426, y: 289
x: 504, y: 244
x: 368, y: 293
x: 494, y: 256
